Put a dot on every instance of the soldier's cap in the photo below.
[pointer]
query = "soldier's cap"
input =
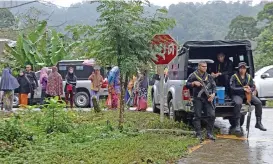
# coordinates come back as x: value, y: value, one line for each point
x: 242, y: 64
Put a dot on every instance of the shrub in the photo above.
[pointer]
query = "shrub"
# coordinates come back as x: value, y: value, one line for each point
x: 13, y: 135
x: 55, y: 118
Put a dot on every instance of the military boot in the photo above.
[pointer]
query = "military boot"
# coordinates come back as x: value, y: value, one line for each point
x: 210, y: 125
x: 197, y: 127
x: 237, y: 126
x: 259, y: 124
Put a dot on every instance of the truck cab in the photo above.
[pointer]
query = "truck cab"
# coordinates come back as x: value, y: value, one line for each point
x: 177, y: 97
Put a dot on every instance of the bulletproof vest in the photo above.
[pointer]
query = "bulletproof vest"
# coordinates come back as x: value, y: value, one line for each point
x: 206, y: 81
x: 239, y: 81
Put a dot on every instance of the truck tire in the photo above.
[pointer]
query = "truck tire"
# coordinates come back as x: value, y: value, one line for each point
x: 82, y: 100
x: 16, y: 100
x: 232, y: 121
x: 171, y: 113
x: 155, y: 109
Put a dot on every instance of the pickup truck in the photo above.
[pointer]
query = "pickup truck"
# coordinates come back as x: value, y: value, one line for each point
x: 263, y: 81
x: 178, y: 98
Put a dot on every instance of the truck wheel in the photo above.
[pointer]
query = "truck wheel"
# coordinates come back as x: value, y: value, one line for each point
x: 155, y: 109
x: 171, y: 110
x: 15, y: 100
x: 232, y: 121
x: 82, y: 100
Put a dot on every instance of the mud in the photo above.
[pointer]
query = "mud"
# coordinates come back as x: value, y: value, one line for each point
x: 229, y: 149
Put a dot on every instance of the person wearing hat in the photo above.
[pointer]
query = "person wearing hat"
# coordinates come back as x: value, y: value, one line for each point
x: 240, y: 83
x: 96, y: 82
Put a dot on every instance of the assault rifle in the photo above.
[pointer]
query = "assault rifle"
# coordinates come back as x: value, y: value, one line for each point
x: 205, y: 90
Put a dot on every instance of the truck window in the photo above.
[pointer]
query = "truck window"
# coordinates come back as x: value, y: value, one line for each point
x: 270, y: 72
x: 62, y: 68
x: 176, y: 68
x: 79, y: 68
x: 242, y: 58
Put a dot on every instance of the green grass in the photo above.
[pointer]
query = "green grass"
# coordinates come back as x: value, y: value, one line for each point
x: 150, y: 96
x: 269, y: 103
x: 95, y: 138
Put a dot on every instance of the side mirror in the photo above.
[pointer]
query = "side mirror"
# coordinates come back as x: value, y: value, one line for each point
x: 265, y: 75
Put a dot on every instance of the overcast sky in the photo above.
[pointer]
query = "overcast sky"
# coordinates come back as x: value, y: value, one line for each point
x: 67, y: 3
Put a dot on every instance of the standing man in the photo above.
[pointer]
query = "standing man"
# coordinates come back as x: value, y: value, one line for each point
x: 240, y: 83
x: 222, y: 71
x: 96, y: 82
x: 33, y: 82
x: 201, y: 101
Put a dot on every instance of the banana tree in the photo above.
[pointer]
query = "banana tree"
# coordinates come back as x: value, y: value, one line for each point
x: 42, y: 47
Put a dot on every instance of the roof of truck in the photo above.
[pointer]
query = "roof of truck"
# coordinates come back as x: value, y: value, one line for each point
x: 218, y: 43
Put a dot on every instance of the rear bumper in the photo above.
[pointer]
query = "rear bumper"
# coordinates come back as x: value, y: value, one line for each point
x: 222, y: 111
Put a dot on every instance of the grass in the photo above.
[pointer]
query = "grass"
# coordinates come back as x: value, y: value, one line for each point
x: 95, y: 138
x: 269, y: 103
x: 150, y: 96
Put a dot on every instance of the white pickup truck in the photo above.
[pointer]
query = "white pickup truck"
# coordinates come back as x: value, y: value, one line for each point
x: 264, y: 82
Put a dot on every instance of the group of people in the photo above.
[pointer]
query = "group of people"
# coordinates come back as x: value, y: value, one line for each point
x: 137, y: 91
x: 27, y: 83
x: 51, y: 84
x: 237, y: 86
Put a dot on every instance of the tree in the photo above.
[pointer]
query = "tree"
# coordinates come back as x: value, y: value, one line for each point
x: 83, y: 38
x: 7, y: 21
x: 243, y: 27
x: 124, y: 35
x: 7, y: 18
x: 264, y: 49
x: 41, y: 47
x: 267, y: 13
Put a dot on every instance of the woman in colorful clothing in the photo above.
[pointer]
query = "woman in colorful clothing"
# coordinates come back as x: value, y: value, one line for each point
x: 8, y: 84
x: 129, y: 95
x: 114, y: 88
x: 96, y: 82
x: 54, y: 84
x: 24, y: 89
x: 142, y: 91
x: 70, y: 86
x: 43, y: 83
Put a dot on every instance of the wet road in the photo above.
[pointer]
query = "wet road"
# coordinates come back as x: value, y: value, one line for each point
x: 229, y: 149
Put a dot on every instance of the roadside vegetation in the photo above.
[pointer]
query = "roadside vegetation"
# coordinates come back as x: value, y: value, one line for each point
x: 57, y: 136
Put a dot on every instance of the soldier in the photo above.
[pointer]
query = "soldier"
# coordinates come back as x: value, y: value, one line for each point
x: 240, y: 83
x: 223, y: 71
x: 202, y: 102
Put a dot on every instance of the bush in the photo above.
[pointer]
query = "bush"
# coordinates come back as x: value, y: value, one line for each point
x: 55, y: 118
x: 13, y: 135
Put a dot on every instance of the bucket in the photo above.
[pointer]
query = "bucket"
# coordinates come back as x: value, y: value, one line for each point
x: 220, y: 92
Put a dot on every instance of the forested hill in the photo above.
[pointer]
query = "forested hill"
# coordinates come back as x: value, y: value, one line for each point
x: 209, y: 21
x: 194, y: 21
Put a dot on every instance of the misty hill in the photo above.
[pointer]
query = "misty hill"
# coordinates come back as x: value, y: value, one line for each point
x: 194, y: 21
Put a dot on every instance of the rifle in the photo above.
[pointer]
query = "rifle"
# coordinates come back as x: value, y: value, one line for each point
x: 205, y: 89
x: 248, y: 101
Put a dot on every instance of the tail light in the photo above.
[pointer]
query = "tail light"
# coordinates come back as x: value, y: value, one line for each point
x: 185, y: 93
